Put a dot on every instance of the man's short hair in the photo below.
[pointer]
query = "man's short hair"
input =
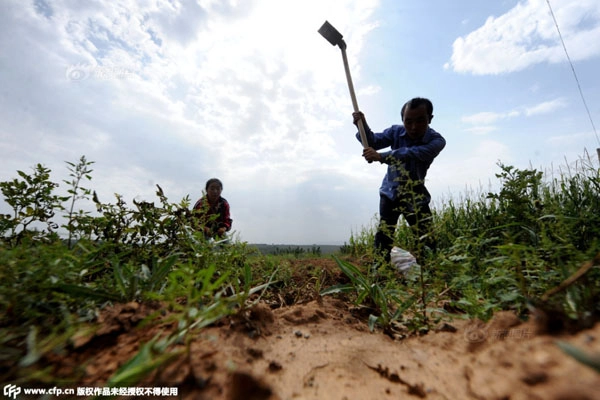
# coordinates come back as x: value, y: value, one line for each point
x: 416, y: 103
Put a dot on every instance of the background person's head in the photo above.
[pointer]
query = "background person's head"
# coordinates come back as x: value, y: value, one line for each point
x: 214, y: 187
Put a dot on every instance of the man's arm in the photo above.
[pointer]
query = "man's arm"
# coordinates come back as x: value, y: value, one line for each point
x: 359, y: 116
x: 425, y: 152
x: 376, y: 141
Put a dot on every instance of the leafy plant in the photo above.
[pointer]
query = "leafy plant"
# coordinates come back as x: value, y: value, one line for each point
x: 499, y: 250
x: 76, y: 192
x: 33, y: 201
x: 495, y: 251
x: 146, y: 253
x: 371, y: 292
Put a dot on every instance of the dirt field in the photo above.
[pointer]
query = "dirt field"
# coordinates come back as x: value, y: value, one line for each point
x: 322, y: 349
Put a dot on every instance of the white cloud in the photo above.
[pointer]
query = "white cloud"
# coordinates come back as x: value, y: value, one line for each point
x: 490, y: 117
x: 173, y: 93
x: 485, y: 117
x: 176, y: 92
x: 526, y: 35
x: 546, y: 107
x: 481, y: 130
x: 484, y: 121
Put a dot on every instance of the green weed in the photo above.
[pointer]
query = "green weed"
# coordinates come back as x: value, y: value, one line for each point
x: 495, y: 251
x: 501, y: 250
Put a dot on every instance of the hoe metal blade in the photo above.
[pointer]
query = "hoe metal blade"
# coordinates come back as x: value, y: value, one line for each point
x: 332, y: 35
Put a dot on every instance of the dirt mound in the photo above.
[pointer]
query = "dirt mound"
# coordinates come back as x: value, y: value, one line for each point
x: 322, y: 349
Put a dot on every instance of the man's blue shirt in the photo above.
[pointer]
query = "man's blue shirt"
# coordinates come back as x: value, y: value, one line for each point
x: 406, y: 157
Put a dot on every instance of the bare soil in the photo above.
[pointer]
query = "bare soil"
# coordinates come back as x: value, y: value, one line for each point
x: 306, y: 347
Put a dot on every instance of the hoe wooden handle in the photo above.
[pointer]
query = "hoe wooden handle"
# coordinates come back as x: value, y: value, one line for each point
x: 361, y: 127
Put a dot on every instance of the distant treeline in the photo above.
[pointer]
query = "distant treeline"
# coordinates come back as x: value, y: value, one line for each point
x: 281, y: 249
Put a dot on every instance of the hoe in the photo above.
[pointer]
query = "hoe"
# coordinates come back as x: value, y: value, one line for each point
x: 335, y: 38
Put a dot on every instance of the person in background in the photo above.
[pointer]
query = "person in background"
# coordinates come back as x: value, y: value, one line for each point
x: 212, y: 211
x: 413, y: 145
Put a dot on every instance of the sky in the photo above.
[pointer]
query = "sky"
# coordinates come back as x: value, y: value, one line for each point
x: 176, y: 92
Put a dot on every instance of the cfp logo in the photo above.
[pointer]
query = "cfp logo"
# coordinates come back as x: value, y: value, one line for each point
x: 79, y: 72
x: 12, y: 391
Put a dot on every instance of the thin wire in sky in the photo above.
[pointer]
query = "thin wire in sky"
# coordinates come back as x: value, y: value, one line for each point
x: 574, y: 73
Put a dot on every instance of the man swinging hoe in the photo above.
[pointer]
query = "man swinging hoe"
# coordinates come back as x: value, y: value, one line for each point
x: 412, y: 148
